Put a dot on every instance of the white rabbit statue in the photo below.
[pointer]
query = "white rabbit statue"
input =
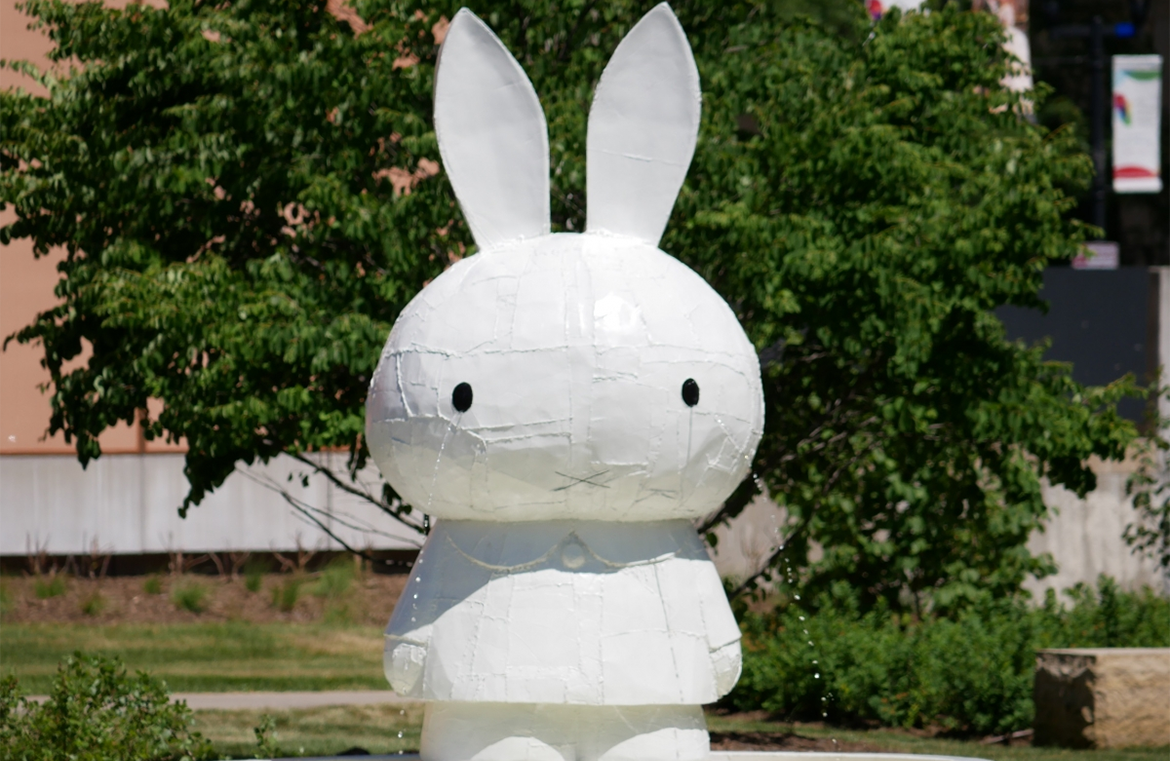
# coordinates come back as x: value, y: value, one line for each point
x: 565, y: 405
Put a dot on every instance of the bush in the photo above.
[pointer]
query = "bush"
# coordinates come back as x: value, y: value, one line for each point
x: 7, y: 599
x: 333, y: 585
x: 153, y: 585
x: 266, y: 737
x: 254, y: 574
x: 96, y: 712
x: 1105, y: 617
x: 190, y: 596
x: 49, y: 586
x: 971, y: 673
x: 335, y: 580
x: 285, y: 595
x: 93, y: 604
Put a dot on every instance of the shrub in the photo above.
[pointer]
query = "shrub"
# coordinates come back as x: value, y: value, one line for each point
x: 266, y: 737
x: 335, y: 580
x: 153, y: 585
x: 7, y: 599
x: 254, y: 574
x: 339, y: 613
x: 96, y: 712
x: 1104, y: 617
x: 93, y: 604
x: 285, y: 595
x: 190, y: 596
x: 49, y: 586
x: 970, y: 673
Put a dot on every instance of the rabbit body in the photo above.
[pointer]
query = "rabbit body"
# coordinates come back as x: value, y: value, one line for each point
x: 577, y: 441
x: 565, y: 405
x: 564, y: 612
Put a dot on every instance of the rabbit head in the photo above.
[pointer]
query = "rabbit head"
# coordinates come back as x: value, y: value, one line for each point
x: 587, y: 376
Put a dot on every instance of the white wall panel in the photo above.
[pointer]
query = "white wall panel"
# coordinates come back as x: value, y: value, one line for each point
x: 129, y: 505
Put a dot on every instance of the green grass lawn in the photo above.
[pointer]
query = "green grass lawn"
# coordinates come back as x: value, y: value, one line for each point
x: 389, y: 729
x: 213, y: 657
x: 895, y: 741
x: 315, y: 731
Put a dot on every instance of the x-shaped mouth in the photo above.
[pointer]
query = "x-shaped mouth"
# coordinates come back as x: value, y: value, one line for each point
x: 582, y: 480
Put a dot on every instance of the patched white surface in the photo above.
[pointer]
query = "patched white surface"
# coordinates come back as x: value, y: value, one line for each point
x: 642, y: 129
x: 492, y: 134
x: 564, y: 404
x: 576, y: 348
x: 589, y: 613
x: 495, y: 732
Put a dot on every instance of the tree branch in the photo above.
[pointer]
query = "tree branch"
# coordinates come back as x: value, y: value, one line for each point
x: 329, y: 474
x: 307, y: 511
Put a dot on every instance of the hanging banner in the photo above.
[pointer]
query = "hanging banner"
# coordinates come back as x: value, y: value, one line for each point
x: 879, y: 8
x: 1137, y: 111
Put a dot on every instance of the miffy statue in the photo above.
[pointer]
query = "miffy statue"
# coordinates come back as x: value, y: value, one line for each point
x: 565, y: 405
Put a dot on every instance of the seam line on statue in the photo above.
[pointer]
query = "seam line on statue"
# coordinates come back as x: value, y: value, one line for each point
x: 553, y: 550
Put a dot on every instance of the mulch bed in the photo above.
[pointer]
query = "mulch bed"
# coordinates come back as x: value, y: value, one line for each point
x: 783, y: 741
x: 369, y: 599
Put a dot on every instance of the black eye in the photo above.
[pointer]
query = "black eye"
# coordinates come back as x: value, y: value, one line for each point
x: 690, y: 392
x: 461, y: 397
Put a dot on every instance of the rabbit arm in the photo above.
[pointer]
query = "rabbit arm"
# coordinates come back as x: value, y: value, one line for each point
x: 727, y: 662
x: 723, y: 633
x: 404, y: 661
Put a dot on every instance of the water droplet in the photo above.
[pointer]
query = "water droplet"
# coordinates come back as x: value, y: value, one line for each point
x: 817, y: 675
x: 810, y: 644
x: 416, y: 595
x: 801, y: 618
x: 400, y: 734
x: 797, y: 596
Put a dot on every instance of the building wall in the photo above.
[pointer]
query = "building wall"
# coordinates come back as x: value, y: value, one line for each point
x: 1084, y: 536
x: 128, y: 504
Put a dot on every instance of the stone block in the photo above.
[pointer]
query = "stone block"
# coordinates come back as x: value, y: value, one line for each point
x: 1102, y: 697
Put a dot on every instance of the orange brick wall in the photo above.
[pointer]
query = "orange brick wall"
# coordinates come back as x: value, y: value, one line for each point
x: 26, y: 288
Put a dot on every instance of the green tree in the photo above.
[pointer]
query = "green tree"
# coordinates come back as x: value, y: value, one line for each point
x: 223, y: 177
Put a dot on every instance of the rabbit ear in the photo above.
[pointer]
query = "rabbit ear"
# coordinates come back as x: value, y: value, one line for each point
x: 492, y: 135
x: 642, y: 129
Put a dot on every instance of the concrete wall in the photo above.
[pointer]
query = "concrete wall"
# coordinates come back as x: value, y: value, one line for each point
x: 127, y: 504
x: 1085, y: 536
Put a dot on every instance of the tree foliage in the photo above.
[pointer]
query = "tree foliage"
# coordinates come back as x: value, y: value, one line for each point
x: 248, y: 193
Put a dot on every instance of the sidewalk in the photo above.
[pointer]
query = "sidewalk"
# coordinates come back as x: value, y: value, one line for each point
x: 232, y: 701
